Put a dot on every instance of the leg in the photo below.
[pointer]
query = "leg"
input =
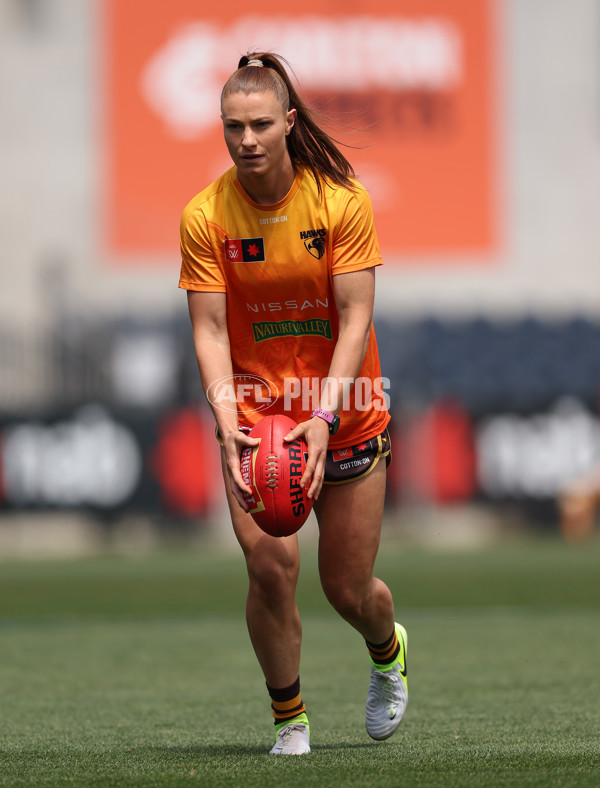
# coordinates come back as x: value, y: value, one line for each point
x: 350, y: 525
x: 349, y: 517
x: 271, y: 613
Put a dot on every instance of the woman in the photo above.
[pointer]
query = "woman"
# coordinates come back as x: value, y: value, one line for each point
x: 278, y: 258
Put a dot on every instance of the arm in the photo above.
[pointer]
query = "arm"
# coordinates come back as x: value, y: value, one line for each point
x: 211, y: 343
x: 354, y: 294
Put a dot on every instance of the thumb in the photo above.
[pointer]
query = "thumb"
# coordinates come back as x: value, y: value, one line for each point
x: 293, y: 434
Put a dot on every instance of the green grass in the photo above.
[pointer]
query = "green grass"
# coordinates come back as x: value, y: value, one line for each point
x: 117, y: 671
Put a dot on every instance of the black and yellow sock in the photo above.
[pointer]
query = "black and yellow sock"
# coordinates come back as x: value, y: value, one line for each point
x: 385, y: 654
x: 286, y: 702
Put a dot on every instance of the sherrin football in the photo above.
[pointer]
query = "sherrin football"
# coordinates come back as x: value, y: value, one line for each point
x: 273, y: 470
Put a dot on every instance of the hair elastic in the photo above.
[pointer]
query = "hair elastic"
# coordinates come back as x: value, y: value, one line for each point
x: 255, y: 63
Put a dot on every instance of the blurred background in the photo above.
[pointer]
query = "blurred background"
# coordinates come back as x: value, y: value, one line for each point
x: 476, y: 129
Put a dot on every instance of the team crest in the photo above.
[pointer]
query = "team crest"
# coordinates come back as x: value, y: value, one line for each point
x: 316, y: 247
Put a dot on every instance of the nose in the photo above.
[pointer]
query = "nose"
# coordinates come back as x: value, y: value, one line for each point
x: 248, y: 138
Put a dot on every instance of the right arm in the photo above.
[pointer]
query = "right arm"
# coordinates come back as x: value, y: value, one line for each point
x: 211, y: 342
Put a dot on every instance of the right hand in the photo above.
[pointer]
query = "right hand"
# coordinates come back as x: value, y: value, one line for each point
x: 233, y: 445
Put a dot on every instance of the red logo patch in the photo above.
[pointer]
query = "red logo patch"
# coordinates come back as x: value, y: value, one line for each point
x: 245, y: 250
x: 340, y: 454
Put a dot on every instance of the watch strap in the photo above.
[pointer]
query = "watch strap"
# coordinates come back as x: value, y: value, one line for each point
x: 332, y: 420
x: 323, y: 414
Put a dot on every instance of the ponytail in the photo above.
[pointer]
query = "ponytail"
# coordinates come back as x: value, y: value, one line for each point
x: 308, y: 145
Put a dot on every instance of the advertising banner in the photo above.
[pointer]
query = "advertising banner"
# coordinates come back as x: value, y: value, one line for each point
x: 409, y: 85
x: 96, y: 459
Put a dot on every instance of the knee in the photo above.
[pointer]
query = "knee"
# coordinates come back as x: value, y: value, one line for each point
x: 273, y: 574
x: 348, y: 600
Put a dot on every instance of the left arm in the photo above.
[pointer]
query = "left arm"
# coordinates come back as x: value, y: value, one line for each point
x: 354, y: 295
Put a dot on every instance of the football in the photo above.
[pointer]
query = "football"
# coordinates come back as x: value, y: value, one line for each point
x: 273, y: 470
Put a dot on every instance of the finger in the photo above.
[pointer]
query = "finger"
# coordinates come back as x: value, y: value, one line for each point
x: 313, y: 470
x: 246, y: 440
x: 308, y: 474
x: 239, y: 497
x: 241, y: 486
x: 235, y: 475
x: 315, y: 486
x: 238, y: 488
x: 314, y: 490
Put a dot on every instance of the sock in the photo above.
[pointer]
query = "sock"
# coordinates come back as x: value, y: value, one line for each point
x: 385, y: 654
x: 286, y: 703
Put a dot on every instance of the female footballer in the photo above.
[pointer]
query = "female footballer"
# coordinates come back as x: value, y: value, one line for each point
x: 278, y: 261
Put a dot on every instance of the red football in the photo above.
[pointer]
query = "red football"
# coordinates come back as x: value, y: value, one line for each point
x: 273, y: 470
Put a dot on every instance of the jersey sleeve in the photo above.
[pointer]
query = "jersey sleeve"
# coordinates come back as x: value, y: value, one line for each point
x: 200, y: 264
x: 355, y: 244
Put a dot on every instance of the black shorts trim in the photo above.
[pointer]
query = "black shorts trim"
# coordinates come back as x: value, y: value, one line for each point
x: 355, y: 462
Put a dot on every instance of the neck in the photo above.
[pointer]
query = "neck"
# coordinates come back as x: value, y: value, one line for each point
x: 268, y: 189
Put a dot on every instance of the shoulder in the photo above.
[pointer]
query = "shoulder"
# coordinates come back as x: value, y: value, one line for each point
x: 349, y: 208
x: 344, y: 197
x: 209, y: 197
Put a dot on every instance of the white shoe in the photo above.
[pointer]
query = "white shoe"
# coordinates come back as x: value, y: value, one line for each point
x: 388, y: 694
x: 292, y: 740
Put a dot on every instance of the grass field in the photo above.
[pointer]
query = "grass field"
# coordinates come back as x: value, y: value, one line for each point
x: 118, y: 671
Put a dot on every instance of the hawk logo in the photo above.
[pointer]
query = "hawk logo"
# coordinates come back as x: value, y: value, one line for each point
x: 245, y: 250
x: 314, y: 242
x: 316, y: 247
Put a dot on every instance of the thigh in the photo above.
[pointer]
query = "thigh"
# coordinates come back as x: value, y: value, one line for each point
x: 254, y: 542
x: 349, y: 517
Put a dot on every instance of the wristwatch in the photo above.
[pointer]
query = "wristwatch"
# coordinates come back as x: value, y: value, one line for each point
x: 332, y: 420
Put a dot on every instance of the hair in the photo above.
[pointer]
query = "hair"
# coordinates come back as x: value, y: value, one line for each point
x: 308, y: 145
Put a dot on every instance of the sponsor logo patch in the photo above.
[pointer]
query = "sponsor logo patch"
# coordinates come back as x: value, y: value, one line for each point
x: 245, y: 250
x: 341, y: 454
x: 271, y: 329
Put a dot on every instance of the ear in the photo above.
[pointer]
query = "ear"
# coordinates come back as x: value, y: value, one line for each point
x: 290, y: 119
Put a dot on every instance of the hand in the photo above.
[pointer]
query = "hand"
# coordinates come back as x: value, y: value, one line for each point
x: 316, y: 434
x: 233, y: 445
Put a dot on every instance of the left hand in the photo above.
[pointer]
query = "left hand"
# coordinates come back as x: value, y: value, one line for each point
x: 315, y: 432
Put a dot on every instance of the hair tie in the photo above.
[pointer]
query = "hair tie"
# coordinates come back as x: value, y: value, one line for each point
x: 255, y: 63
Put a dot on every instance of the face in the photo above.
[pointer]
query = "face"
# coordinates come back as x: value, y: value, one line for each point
x: 255, y: 127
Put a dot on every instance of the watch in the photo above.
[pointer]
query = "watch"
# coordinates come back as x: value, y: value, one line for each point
x: 332, y: 420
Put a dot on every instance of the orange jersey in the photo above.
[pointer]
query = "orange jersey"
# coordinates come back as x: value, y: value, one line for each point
x: 275, y: 263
